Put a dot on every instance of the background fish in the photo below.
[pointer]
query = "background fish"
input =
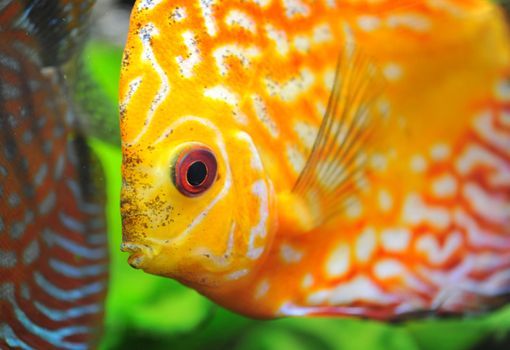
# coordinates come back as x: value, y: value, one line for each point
x: 53, y: 244
x: 299, y: 158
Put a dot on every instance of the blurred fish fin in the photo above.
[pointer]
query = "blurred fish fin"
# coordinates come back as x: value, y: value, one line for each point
x: 91, y: 182
x: 349, y: 134
x: 59, y: 25
x: 97, y: 112
x: 52, y: 35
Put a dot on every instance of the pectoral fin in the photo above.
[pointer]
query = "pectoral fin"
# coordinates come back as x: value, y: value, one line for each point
x: 349, y: 133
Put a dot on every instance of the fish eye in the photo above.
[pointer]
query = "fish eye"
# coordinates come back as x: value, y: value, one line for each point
x: 194, y: 171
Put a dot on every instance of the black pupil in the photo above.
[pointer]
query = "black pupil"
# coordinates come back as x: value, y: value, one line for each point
x: 196, y: 174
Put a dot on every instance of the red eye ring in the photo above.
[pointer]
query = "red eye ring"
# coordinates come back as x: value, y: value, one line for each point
x: 194, y: 171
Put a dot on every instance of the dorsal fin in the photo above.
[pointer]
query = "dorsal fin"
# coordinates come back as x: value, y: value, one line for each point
x: 347, y: 136
x: 60, y: 27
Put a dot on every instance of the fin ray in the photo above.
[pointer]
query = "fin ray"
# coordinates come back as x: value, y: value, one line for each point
x: 347, y: 133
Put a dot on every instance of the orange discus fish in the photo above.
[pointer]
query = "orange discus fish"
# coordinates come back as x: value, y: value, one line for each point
x: 292, y: 157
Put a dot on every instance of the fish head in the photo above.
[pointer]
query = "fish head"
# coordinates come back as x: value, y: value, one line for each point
x: 196, y: 203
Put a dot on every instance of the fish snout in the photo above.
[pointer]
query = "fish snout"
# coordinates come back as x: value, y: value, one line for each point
x: 139, y: 253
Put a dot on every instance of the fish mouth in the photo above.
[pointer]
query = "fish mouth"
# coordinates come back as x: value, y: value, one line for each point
x: 139, y: 253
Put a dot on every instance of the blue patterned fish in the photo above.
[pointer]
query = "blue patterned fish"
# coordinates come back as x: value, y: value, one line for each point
x: 53, y: 246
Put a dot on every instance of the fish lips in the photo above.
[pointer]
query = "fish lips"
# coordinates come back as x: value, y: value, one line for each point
x: 139, y: 253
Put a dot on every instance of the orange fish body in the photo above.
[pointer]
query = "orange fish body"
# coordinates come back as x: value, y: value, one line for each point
x: 320, y: 157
